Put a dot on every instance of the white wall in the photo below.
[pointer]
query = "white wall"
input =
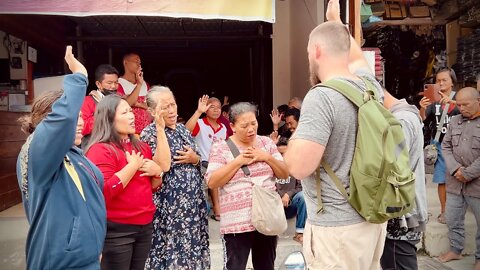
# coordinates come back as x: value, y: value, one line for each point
x: 295, y: 19
x: 281, y: 53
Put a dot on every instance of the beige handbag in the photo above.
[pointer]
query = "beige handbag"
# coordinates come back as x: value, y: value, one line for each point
x: 268, y: 216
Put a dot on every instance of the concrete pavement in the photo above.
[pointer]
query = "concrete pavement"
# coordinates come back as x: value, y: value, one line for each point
x: 14, y: 227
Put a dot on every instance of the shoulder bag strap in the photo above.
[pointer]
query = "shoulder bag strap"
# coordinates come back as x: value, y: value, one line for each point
x: 236, y: 152
x: 442, y: 118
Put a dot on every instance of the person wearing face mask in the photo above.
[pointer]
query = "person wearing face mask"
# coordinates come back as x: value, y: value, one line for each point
x: 106, y: 80
x: 61, y: 189
x: 431, y: 112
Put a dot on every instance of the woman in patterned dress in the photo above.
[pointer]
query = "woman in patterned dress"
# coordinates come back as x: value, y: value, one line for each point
x: 180, y: 235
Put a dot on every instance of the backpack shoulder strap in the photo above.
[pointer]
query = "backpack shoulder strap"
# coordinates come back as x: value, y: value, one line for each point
x: 347, y: 90
x: 335, y: 180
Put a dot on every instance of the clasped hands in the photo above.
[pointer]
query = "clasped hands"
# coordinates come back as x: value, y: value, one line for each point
x: 147, y: 166
x: 252, y: 155
x: 459, y: 176
x: 186, y: 156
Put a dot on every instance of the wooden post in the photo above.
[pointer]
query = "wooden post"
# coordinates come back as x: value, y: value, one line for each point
x: 30, y: 90
x: 354, y: 20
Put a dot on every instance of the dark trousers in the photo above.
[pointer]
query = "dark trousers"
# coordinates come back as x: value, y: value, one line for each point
x: 399, y: 255
x: 238, y: 247
x: 126, y: 246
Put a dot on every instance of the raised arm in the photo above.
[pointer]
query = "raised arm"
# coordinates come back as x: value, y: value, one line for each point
x: 55, y: 135
x: 162, y: 155
x: 133, y: 97
x: 357, y: 59
x: 202, y: 107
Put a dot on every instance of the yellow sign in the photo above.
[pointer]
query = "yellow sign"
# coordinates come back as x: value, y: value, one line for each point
x: 244, y: 10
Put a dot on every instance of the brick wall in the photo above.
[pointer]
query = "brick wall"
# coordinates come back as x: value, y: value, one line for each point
x: 11, y: 140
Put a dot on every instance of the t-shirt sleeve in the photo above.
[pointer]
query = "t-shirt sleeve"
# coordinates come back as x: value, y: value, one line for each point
x: 196, y: 129
x: 217, y: 158
x: 429, y: 110
x: 271, y: 148
x: 120, y: 90
x: 316, y: 118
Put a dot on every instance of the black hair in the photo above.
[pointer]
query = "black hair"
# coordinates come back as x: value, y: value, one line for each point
x: 282, y: 108
x: 293, y: 112
x: 104, y: 69
x: 104, y: 129
x: 225, y: 108
x: 451, y: 72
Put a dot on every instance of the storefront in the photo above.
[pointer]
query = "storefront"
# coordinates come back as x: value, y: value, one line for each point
x: 416, y: 38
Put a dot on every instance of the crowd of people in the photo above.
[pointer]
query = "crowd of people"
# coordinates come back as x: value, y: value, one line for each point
x: 113, y: 180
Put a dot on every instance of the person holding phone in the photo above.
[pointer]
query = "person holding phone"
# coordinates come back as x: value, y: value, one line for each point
x: 432, y: 92
x: 431, y: 112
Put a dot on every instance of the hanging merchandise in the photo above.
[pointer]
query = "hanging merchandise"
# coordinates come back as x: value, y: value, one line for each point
x: 419, y: 10
x: 429, y: 2
x: 378, y: 9
x: 468, y: 57
x: 395, y: 10
x: 365, y: 12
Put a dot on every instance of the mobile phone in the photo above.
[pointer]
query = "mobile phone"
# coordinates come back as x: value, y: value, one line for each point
x: 432, y: 92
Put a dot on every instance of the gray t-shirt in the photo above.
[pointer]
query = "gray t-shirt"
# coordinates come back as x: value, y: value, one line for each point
x: 330, y: 119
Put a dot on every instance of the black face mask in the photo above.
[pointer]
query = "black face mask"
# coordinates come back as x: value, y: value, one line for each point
x: 106, y: 92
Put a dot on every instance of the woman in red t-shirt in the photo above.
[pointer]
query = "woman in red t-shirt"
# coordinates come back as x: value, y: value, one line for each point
x: 130, y: 175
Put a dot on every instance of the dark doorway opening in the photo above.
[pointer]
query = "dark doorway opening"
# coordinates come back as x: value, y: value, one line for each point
x: 191, y: 56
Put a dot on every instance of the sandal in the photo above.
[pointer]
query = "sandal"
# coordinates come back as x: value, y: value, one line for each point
x: 215, y: 217
x: 441, y: 218
x: 298, y: 237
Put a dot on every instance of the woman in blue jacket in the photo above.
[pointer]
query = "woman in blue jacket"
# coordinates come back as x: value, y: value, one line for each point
x: 61, y: 189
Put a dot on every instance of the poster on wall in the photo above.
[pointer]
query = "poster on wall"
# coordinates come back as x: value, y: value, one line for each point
x: 244, y: 10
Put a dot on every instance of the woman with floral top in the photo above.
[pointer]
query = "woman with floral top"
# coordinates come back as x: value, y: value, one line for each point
x: 180, y: 235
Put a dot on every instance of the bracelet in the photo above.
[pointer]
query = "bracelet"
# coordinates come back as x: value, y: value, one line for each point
x: 198, y: 162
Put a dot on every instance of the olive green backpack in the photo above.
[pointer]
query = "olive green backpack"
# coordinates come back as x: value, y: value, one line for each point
x: 382, y: 185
